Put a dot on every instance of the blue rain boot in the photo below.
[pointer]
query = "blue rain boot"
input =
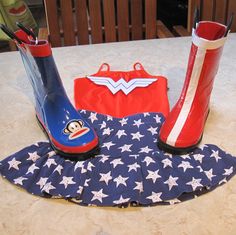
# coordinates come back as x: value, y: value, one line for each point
x: 69, y: 134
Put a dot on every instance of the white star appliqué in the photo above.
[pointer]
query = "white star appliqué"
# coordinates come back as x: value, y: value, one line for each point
x: 59, y: 168
x: 42, y: 181
x: 90, y: 166
x: 98, y: 195
x: 19, y: 180
x: 153, y: 130
x: 171, y: 182
x: 123, y: 121
x: 33, y: 156
x: 145, y: 150
x: 209, y: 174
x: 228, y: 171
x: 155, y: 197
x: 14, y: 164
x: 109, y: 118
x: 157, y: 119
x: 148, y: 160
x: 153, y: 175
x: 136, y: 136
x: 108, y: 145
x: 105, y: 177
x: 93, y: 117
x: 120, y: 133
x: 107, y: 131
x: 47, y: 187
x: 116, y: 162
x: 120, y: 180
x: 31, y: 169
x: 215, y: 154
x: 103, y: 157
x: 185, y: 165
x: 138, y: 123
x: 80, y: 164
x: 103, y: 125
x: 67, y: 181
x: 139, y: 186
x: 146, y: 114
x: 121, y: 200
x: 202, y: 146
x: 50, y: 162
x: 133, y: 167
x: 167, y: 162
x: 185, y: 156
x: 51, y: 154
x: 198, y: 157
x: 125, y: 148
x: 195, y: 183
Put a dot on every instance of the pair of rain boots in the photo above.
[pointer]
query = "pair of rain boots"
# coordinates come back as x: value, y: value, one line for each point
x: 72, y: 136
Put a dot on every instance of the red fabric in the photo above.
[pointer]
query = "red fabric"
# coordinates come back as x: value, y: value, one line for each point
x: 99, y: 98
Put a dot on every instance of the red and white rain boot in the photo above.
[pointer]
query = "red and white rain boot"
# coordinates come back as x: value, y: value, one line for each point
x: 182, y: 130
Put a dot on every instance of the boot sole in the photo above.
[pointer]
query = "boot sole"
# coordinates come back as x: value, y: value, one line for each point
x: 177, y: 151
x: 70, y: 156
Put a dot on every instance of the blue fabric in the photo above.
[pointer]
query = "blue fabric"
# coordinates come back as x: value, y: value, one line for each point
x: 129, y: 170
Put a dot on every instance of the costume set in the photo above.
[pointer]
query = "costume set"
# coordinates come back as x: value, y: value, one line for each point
x: 120, y: 145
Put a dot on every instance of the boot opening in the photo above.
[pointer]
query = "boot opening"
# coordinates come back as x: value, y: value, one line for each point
x: 210, y: 30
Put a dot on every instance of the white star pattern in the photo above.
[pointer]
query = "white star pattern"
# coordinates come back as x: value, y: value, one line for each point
x: 86, y: 182
x: 80, y: 164
x: 155, y: 197
x: 153, y: 175
x: 125, y: 148
x: 121, y: 133
x: 107, y: 131
x: 50, y: 162
x: 146, y: 114
x: 47, y: 187
x: 103, y: 125
x: 148, y: 160
x: 93, y: 117
x: 19, y: 180
x: 185, y: 156
x: 139, y: 186
x: 202, y: 146
x: 108, y: 145
x: 171, y: 182
x: 98, y: 195
x: 215, y: 154
x: 33, y: 156
x: 121, y: 200
x: 228, y: 171
x: 105, y: 177
x: 42, y: 181
x: 58, y: 169
x: 51, y: 154
x: 134, y: 167
x: 138, y: 123
x: 123, y: 121
x: 157, y: 119
x: 90, y: 166
x: 185, y: 165
x: 135, y: 156
x: 103, y: 157
x: 67, y: 181
x: 145, y: 150
x: 31, y: 169
x: 166, y: 162
x: 136, y: 136
x: 116, y: 162
x: 14, y: 164
x: 153, y: 130
x: 120, y: 180
x: 198, y: 157
x: 209, y: 174
x: 195, y: 183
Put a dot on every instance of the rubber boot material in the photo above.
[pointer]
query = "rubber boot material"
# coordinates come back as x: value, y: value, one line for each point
x: 183, y: 128
x: 67, y: 131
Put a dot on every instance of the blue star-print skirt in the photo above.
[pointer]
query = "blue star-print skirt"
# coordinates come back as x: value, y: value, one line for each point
x: 129, y: 170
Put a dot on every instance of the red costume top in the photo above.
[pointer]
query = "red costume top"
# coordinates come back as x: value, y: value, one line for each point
x: 120, y: 94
